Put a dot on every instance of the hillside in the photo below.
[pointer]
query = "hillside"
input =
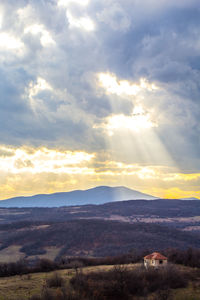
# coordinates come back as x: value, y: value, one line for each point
x: 97, y: 195
x: 177, y: 213
x: 37, y: 285
x: 99, y: 230
x: 92, y: 238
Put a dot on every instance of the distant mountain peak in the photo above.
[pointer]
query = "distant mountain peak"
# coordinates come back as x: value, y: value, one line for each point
x: 189, y: 198
x: 96, y: 195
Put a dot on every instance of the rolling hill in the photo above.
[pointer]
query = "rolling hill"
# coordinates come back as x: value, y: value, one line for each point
x: 99, y: 230
x: 92, y: 238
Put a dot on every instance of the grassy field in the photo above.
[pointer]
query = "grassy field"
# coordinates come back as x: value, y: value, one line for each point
x: 22, y: 287
x: 11, y: 254
x: 190, y: 293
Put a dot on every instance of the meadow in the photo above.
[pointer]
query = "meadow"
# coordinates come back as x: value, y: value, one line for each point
x: 64, y: 284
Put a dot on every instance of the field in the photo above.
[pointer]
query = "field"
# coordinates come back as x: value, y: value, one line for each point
x: 11, y: 254
x: 25, y: 286
x: 22, y: 287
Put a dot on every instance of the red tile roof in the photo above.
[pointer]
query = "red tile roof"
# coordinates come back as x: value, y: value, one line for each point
x: 155, y: 255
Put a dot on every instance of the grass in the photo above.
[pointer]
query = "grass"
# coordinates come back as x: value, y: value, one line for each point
x: 11, y: 254
x: 192, y: 292
x: 22, y: 287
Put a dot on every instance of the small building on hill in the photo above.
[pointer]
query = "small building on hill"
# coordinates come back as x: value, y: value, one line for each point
x: 155, y: 260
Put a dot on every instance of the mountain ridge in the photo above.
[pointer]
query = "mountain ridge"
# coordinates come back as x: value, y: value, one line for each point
x: 96, y: 195
x: 189, y: 198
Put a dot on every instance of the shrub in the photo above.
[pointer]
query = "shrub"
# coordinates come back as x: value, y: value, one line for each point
x: 123, y: 283
x: 189, y: 257
x: 162, y: 295
x: 55, y: 281
x: 48, y: 294
x: 46, y: 265
x: 35, y: 297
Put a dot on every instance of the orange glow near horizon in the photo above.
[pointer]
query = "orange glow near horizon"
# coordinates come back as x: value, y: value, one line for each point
x: 26, y: 171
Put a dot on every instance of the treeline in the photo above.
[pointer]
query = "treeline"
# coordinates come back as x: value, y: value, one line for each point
x: 131, y: 257
x: 46, y: 265
x: 189, y: 257
x: 24, y: 267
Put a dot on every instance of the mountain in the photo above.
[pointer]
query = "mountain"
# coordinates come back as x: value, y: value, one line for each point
x: 190, y: 198
x: 97, y: 195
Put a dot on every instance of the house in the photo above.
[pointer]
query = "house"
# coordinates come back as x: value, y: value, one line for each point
x: 155, y: 260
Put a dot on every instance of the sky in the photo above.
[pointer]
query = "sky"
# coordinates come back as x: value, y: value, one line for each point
x: 100, y: 92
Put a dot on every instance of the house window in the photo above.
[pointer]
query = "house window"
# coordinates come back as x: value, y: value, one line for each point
x: 160, y: 262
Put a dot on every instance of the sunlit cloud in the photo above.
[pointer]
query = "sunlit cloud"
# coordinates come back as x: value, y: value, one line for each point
x: 137, y: 121
x: 1, y: 18
x: 63, y: 86
x: 67, y: 2
x: 28, y: 170
x: 40, y: 85
x: 123, y: 87
x: 84, y: 23
x: 182, y: 177
x: 9, y: 42
x: 44, y: 160
x: 34, y: 89
x: 6, y: 152
x: 147, y: 173
x: 45, y: 37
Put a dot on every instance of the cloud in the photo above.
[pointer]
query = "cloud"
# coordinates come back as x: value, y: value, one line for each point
x: 65, y: 79
x: 9, y: 43
x: 84, y: 23
x: 114, y: 16
x: 28, y: 170
x: 67, y: 3
x: 36, y: 161
x: 124, y: 87
x: 46, y: 170
x: 138, y: 121
x: 45, y: 37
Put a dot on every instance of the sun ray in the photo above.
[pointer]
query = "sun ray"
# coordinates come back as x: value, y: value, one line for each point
x: 134, y: 137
